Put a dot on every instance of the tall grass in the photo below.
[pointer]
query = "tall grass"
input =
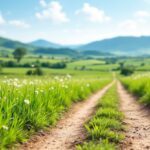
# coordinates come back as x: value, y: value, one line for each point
x: 139, y: 85
x: 104, y: 129
x: 27, y: 106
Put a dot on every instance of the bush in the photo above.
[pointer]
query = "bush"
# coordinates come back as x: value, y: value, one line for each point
x: 29, y: 72
x: 45, y: 64
x: 10, y: 64
x: 37, y: 71
x: 127, y: 70
x: 26, y: 65
x: 59, y: 65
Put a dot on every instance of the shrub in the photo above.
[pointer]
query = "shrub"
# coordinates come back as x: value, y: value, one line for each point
x: 59, y: 65
x: 29, y: 72
x: 127, y: 70
x: 38, y: 71
x: 10, y: 64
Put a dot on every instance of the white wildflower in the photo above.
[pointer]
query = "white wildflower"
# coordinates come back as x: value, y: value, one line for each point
x: 52, y: 88
x: 5, y: 127
x: 56, y: 78
x: 32, y: 66
x: 31, y: 83
x: 36, y: 92
x: 61, y: 80
x: 69, y: 76
x: 26, y: 101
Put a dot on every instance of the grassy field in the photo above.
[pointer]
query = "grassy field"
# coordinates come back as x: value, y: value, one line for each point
x: 29, y: 105
x: 140, y: 86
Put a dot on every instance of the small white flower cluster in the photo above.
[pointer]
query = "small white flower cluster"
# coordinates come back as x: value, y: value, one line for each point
x: 65, y: 86
x: 5, y: 127
x: 26, y: 101
x: 62, y: 79
x: 36, y: 92
x: 51, y: 88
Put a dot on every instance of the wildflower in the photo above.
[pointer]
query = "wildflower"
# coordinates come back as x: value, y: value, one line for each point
x: 61, y: 80
x: 52, y: 88
x: 15, y: 79
x: 56, y: 78
x: 36, y: 92
x: 32, y: 66
x: 31, y: 83
x: 26, y: 101
x: 68, y: 76
x: 5, y: 127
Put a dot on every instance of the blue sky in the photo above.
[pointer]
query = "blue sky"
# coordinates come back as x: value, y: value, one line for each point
x: 73, y: 22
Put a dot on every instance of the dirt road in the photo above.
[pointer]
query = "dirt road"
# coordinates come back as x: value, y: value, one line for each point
x: 69, y: 130
x: 137, y: 119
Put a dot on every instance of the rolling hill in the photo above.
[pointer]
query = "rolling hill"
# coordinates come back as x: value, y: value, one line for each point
x: 11, y: 44
x: 45, y: 44
x: 124, y: 45
x: 128, y: 45
x: 8, y: 46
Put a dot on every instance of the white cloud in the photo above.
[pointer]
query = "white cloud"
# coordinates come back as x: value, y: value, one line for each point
x: 142, y: 14
x: 53, y: 12
x: 2, y: 20
x: 93, y: 14
x: 43, y: 3
x: 19, y: 23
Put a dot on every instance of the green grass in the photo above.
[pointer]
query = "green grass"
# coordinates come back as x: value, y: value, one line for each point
x: 139, y: 85
x: 104, y: 129
x: 104, y: 145
x: 20, y: 72
x: 30, y: 105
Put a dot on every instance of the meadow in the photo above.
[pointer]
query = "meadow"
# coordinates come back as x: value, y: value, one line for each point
x: 30, y: 105
x: 139, y: 85
x: 33, y: 103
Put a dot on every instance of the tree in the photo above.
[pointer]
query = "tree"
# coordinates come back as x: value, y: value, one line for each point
x: 126, y: 70
x: 19, y: 53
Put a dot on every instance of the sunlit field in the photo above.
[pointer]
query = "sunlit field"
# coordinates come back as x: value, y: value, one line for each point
x: 139, y: 85
x: 74, y: 75
x: 29, y: 105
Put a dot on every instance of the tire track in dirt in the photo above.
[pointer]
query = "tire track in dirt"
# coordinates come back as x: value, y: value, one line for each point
x: 70, y: 129
x: 137, y: 119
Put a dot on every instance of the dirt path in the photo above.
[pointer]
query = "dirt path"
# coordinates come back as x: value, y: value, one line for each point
x: 137, y: 120
x: 69, y: 130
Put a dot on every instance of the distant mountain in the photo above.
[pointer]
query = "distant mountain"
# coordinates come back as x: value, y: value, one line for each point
x: 7, y: 46
x: 11, y: 44
x: 45, y: 44
x: 128, y: 45
x: 124, y: 45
